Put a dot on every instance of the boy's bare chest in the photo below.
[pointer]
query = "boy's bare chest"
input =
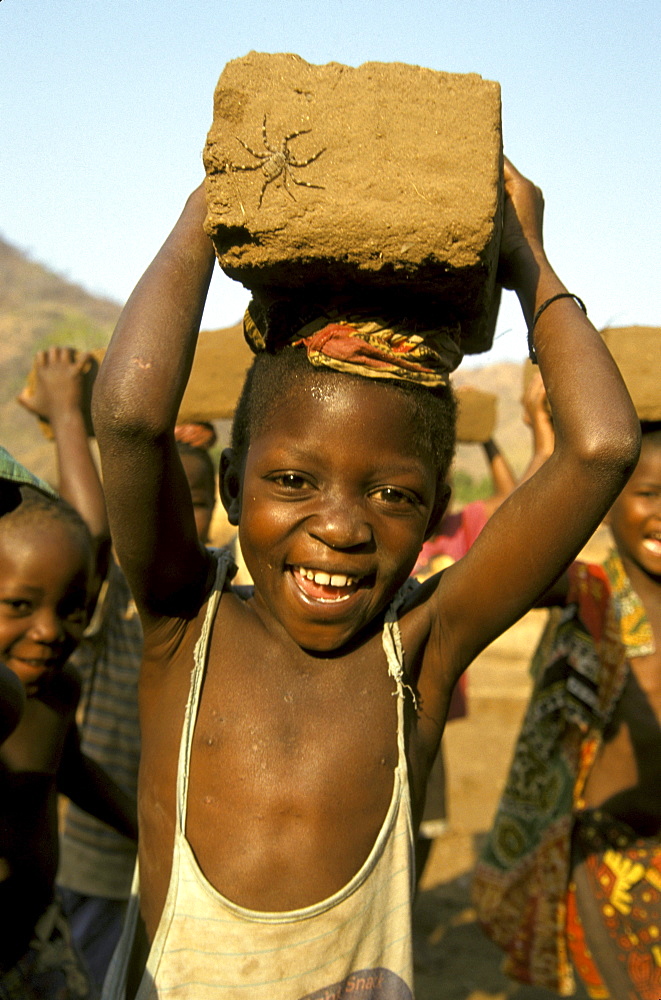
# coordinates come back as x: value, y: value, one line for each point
x: 292, y: 766
x: 286, y: 720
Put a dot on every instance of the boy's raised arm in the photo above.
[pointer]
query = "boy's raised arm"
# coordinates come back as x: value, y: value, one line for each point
x: 136, y: 400
x: 541, y: 527
x: 58, y: 396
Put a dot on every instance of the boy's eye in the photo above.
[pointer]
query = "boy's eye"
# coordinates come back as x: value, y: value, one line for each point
x: 392, y: 495
x: 290, y: 480
x: 17, y: 606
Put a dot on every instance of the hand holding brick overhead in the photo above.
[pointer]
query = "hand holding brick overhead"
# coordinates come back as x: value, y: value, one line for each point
x: 377, y: 185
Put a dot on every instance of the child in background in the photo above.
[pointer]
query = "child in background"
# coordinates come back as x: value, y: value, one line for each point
x: 96, y: 862
x: 571, y: 874
x: 199, y: 471
x: 46, y: 573
x: 13, y: 477
x: 281, y: 783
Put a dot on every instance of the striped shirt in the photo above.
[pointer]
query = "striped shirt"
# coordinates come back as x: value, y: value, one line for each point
x: 95, y: 860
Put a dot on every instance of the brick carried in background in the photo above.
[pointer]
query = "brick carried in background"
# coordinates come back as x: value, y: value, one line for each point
x: 222, y: 358
x: 636, y: 351
x: 476, y: 414
x: 387, y: 190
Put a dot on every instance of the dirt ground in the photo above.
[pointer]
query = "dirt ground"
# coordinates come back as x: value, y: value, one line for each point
x: 453, y: 958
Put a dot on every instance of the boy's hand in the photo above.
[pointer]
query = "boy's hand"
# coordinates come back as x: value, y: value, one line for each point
x: 58, y: 384
x: 521, y: 243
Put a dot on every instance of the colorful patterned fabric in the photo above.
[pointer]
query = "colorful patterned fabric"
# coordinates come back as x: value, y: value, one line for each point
x: 371, y: 346
x: 635, y: 629
x: 13, y: 476
x: 614, y: 909
x: 521, y: 879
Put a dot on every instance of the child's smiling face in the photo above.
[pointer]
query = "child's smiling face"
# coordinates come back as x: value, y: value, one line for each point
x: 334, y: 506
x: 635, y: 517
x: 44, y: 581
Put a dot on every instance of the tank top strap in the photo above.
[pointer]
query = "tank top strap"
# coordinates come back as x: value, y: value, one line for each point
x: 225, y: 570
x: 391, y: 639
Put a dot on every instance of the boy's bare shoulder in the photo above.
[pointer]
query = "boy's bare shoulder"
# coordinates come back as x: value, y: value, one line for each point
x: 170, y: 639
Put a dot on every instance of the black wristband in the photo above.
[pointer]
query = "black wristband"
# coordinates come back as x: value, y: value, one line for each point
x: 554, y: 298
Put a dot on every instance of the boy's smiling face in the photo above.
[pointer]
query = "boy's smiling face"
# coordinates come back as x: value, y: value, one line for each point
x: 334, y: 505
x: 635, y: 517
x: 44, y: 580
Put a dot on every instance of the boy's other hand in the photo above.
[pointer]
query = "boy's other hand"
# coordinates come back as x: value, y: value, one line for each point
x: 58, y: 382
x: 521, y: 242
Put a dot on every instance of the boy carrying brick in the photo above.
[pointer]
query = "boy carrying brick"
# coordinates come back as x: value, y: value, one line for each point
x: 281, y: 783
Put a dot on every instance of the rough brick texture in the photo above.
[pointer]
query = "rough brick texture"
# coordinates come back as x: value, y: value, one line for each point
x: 636, y: 351
x: 406, y: 212
x: 222, y: 358
x: 476, y: 414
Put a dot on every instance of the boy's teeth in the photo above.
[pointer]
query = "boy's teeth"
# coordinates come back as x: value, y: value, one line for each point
x: 324, y: 579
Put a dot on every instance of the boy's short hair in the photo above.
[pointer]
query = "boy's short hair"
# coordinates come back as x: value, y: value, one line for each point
x: 434, y: 410
x: 36, y: 507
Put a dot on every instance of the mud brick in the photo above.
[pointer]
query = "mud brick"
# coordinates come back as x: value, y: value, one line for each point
x: 222, y: 358
x: 392, y: 195
x: 476, y: 414
x: 636, y: 351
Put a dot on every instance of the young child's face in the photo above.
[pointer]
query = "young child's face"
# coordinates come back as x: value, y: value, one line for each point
x: 334, y: 506
x: 202, y: 494
x: 44, y: 581
x: 635, y: 517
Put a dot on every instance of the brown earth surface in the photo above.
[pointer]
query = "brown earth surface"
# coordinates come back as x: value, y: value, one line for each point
x: 453, y: 958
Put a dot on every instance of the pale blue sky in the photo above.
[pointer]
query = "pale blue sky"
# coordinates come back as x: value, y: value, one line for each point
x: 104, y: 109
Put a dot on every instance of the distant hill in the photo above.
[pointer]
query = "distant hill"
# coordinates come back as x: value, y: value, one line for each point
x: 39, y: 308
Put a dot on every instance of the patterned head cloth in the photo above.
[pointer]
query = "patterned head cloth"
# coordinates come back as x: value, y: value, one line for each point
x: 13, y: 476
x: 372, y: 347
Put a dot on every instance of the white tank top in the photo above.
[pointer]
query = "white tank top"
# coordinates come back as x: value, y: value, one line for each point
x: 355, y: 943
